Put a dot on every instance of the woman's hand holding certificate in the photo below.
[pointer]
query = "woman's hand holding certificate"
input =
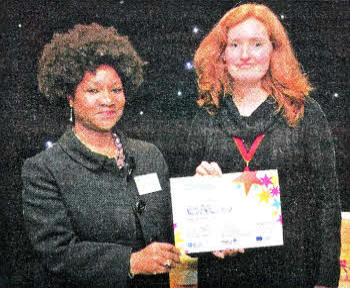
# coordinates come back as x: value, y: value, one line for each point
x: 212, y: 168
x: 206, y: 168
x: 227, y: 252
x: 155, y: 258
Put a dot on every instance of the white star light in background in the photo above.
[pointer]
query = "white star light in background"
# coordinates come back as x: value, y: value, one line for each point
x: 179, y: 93
x: 195, y: 30
x: 336, y: 95
x: 141, y: 113
x: 19, y: 25
x: 48, y: 144
x: 188, y: 65
x: 282, y: 16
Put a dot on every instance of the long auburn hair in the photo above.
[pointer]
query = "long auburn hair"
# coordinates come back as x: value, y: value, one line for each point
x: 284, y: 80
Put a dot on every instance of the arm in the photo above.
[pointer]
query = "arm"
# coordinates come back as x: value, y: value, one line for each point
x: 52, y: 235
x: 156, y: 218
x: 324, y: 182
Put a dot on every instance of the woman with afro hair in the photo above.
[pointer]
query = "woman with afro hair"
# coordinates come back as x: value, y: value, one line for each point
x: 254, y: 97
x: 96, y: 205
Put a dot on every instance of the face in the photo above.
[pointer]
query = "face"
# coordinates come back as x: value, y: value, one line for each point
x: 248, y: 51
x: 99, y: 99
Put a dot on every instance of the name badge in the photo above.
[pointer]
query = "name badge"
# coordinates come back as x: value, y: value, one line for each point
x: 147, y: 183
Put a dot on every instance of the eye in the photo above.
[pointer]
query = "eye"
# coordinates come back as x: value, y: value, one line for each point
x: 257, y: 43
x: 234, y: 44
x: 92, y: 90
x: 117, y: 90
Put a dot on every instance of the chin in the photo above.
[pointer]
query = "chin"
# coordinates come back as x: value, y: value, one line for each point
x: 107, y: 125
x: 248, y: 81
x: 104, y: 128
x: 248, y: 76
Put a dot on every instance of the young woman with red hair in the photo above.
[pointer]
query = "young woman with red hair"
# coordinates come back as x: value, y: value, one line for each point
x: 251, y: 87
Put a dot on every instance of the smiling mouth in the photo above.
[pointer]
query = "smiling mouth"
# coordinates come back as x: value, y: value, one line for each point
x: 107, y: 113
x: 246, y: 66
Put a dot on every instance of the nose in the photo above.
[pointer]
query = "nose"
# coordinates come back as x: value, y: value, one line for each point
x: 106, y: 98
x: 245, y: 53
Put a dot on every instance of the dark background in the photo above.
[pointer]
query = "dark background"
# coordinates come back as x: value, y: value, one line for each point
x: 162, y: 32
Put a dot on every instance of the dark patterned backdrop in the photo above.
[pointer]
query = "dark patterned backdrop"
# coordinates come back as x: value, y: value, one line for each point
x: 166, y: 34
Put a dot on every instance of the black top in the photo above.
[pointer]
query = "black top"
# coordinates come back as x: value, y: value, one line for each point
x: 84, y: 217
x: 305, y: 159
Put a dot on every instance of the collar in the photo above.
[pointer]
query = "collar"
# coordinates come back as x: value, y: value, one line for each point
x: 248, y: 128
x: 71, y: 145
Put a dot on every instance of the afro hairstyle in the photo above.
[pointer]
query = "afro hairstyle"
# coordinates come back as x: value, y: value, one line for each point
x: 68, y: 56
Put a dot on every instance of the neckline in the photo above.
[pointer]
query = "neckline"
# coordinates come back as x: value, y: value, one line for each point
x: 246, y: 127
x: 268, y: 103
x: 91, y: 149
x: 261, y: 102
x: 82, y: 154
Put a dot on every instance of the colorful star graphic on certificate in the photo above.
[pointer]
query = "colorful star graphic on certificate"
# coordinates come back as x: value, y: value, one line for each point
x: 276, y: 203
x: 247, y: 178
x: 274, y: 180
x: 275, y: 191
x: 264, y: 196
x: 266, y: 180
x: 280, y: 219
x: 178, y: 240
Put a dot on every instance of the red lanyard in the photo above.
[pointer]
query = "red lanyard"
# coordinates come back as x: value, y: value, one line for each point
x: 248, y: 155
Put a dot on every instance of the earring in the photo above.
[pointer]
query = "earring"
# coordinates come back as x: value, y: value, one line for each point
x: 71, y: 114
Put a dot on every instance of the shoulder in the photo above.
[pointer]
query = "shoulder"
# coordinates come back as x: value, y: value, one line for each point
x: 136, y: 145
x: 40, y: 163
x: 312, y: 109
x: 144, y: 151
x: 204, y: 118
x: 49, y: 158
x: 148, y: 158
x: 315, y: 120
x: 45, y: 156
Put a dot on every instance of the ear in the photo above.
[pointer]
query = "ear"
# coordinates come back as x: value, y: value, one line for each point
x: 70, y: 100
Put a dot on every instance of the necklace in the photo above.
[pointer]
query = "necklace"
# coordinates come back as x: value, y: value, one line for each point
x: 119, y: 151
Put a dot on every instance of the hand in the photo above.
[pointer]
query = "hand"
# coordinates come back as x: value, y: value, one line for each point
x: 206, y: 168
x: 154, y: 258
x: 228, y: 252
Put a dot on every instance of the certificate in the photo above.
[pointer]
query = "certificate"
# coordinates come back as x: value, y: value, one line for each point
x: 235, y: 210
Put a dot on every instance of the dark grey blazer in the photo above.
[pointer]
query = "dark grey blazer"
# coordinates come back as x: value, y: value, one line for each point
x: 84, y: 217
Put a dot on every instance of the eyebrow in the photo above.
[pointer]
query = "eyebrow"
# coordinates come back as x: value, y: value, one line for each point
x: 250, y: 39
x: 98, y: 83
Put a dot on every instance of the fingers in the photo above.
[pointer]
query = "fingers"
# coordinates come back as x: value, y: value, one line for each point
x: 206, y: 168
x: 167, y: 256
x: 216, y: 168
x: 228, y: 252
x: 172, y: 257
x: 154, y: 259
x: 219, y: 254
x: 233, y: 252
x: 168, y: 247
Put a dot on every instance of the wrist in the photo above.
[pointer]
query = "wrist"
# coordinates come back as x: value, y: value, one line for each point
x: 132, y: 271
